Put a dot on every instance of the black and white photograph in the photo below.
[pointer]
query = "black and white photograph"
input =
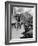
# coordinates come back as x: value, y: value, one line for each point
x: 20, y: 22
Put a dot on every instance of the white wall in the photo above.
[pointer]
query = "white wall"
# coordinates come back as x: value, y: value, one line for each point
x: 2, y: 23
